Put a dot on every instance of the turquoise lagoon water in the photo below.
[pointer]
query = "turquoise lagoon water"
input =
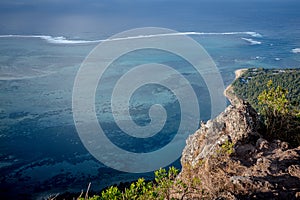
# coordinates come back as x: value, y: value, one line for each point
x: 40, y: 148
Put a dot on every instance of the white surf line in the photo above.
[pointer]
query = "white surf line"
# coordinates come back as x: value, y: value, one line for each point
x: 251, y: 41
x: 296, y: 50
x: 64, y: 40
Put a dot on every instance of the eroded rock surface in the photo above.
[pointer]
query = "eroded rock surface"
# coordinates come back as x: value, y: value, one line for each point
x: 254, y: 169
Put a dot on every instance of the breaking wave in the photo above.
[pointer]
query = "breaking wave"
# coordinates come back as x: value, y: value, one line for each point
x: 251, y: 41
x: 296, y: 50
x: 64, y: 40
x: 50, y: 39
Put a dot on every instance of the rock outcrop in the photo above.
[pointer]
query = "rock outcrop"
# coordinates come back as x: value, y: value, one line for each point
x: 227, y: 158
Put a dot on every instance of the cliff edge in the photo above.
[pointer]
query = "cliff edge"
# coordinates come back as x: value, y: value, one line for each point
x: 228, y: 158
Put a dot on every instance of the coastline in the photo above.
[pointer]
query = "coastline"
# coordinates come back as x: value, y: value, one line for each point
x: 229, y: 93
x: 242, y: 171
x: 239, y: 72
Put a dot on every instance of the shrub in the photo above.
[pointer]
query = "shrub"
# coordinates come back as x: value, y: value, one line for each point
x: 280, y: 117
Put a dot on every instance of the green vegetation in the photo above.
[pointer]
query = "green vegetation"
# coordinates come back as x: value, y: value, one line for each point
x: 142, y: 190
x: 275, y: 94
x: 254, y: 81
x: 275, y: 107
x: 226, y: 149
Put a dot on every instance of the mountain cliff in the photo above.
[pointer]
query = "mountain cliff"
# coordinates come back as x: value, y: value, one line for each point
x: 228, y: 158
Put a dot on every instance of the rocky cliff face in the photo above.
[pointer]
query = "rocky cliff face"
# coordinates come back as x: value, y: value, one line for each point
x: 227, y: 158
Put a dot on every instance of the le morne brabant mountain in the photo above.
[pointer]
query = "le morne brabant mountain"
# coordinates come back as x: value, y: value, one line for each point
x: 250, y: 151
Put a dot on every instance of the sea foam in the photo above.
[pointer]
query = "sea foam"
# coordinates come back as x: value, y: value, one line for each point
x: 296, y: 50
x: 50, y: 39
x: 64, y: 40
x: 251, y: 41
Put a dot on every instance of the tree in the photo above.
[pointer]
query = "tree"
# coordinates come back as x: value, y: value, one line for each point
x: 280, y: 117
x: 275, y: 107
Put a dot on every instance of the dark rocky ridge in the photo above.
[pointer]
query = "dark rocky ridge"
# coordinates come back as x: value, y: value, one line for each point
x: 257, y: 168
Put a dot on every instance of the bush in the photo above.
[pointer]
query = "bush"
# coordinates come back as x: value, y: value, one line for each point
x: 161, y: 188
x: 280, y: 117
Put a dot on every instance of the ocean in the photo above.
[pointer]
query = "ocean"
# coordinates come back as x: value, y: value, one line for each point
x: 42, y: 46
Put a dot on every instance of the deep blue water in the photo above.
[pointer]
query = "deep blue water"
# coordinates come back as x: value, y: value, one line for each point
x: 40, y: 150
